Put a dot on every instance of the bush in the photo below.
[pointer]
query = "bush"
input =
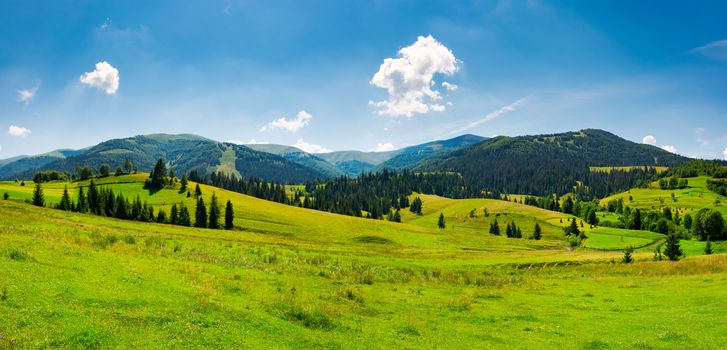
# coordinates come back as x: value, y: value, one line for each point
x: 628, y: 258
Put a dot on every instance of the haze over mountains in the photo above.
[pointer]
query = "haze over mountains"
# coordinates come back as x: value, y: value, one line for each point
x: 499, y: 160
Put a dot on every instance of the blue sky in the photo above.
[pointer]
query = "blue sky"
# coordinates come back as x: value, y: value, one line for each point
x: 335, y: 75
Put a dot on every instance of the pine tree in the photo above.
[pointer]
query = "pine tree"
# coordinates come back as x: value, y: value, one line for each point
x: 158, y: 175
x: 214, y: 214
x: 82, y: 203
x: 162, y: 216
x: 708, y: 247
x: 127, y: 166
x: 573, y: 228
x: 229, y: 216
x: 627, y: 259
x: 441, y: 223
x: 65, y: 203
x: 672, y: 248
x: 519, y: 233
x: 174, y: 215
x: 197, y: 191
x: 118, y: 172
x: 94, y: 201
x: 200, y: 214
x: 495, y: 228
x: 38, y: 199
x: 183, y: 183
x: 184, y: 218
x: 537, y: 232
x: 397, y: 216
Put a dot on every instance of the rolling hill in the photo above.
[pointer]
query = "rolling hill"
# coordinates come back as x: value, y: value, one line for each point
x: 301, y: 157
x: 545, y: 164
x: 411, y: 156
x: 183, y: 152
x: 18, y: 165
x: 293, y: 277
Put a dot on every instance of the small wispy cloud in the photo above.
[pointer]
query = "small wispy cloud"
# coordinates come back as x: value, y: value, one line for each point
x: 27, y: 95
x: 384, y: 147
x: 716, y: 50
x: 649, y: 140
x: 490, y: 116
x: 293, y: 125
x: 18, y: 131
x: 450, y: 86
x: 310, y: 147
x: 669, y: 148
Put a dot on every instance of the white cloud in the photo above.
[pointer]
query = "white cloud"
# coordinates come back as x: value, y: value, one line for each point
x: 649, y: 140
x: 104, y: 77
x: 450, y: 86
x: 301, y: 119
x: 310, y: 148
x: 251, y: 142
x: 725, y: 153
x: 716, y: 50
x: 490, y: 116
x: 26, y: 95
x: 384, y: 147
x: 408, y: 78
x: 18, y: 131
x: 669, y: 148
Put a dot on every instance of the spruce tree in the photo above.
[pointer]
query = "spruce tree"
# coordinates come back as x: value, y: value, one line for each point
x: 627, y: 259
x: 158, y: 175
x: 397, y: 216
x: 441, y: 223
x: 127, y: 166
x: 229, y: 216
x: 183, y: 183
x: 38, y: 199
x: 65, y: 203
x: 214, y: 214
x: 197, y: 191
x: 82, y: 203
x: 200, y: 214
x: 495, y: 228
x: 174, y: 215
x: 708, y: 247
x: 161, y: 216
x: 537, y: 233
x: 672, y: 248
x: 184, y: 217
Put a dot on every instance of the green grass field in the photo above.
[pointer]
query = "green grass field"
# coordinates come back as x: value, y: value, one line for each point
x: 686, y: 200
x: 289, y: 277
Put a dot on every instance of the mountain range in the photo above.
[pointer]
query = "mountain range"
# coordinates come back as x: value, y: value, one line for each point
x: 494, y: 162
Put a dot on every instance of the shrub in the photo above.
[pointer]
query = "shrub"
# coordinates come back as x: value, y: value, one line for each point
x: 627, y: 259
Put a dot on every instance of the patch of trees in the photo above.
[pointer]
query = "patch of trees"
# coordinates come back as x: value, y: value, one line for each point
x: 673, y: 183
x: 103, y: 201
x: 254, y: 187
x: 713, y: 168
x: 718, y: 186
x: 50, y: 175
x: 709, y: 224
x: 377, y: 194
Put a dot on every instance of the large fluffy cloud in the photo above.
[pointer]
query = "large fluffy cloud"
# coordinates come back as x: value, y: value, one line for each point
x: 293, y: 125
x: 649, y: 140
x: 310, y: 147
x: 384, y: 147
x: 18, y: 131
x: 104, y: 77
x: 669, y: 148
x: 408, y: 78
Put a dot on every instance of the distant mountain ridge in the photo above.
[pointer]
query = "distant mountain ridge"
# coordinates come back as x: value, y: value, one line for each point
x: 409, y: 157
x: 544, y: 164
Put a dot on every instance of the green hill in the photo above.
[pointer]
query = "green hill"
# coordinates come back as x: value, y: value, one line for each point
x: 21, y: 164
x: 546, y: 164
x: 298, y: 156
x: 292, y: 277
x: 410, y: 157
x: 183, y: 153
x: 353, y: 163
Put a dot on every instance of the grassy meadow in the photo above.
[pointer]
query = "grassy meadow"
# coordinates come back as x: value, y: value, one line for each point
x: 289, y: 277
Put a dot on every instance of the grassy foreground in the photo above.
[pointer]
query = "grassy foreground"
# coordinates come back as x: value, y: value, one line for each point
x: 295, y: 278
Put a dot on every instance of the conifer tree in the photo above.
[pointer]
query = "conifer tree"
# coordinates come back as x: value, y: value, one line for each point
x: 183, y: 183
x: 214, y: 214
x: 65, y: 203
x: 94, y: 201
x: 127, y: 166
x: 161, y: 216
x: 184, y: 217
x: 82, y: 203
x: 537, y: 233
x: 158, y: 175
x: 440, y: 222
x: 118, y: 172
x: 200, y: 214
x: 174, y: 215
x: 38, y: 199
x: 708, y: 247
x: 197, y: 191
x: 672, y: 248
x: 397, y: 216
x: 229, y: 216
x: 627, y: 259
x: 495, y: 228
